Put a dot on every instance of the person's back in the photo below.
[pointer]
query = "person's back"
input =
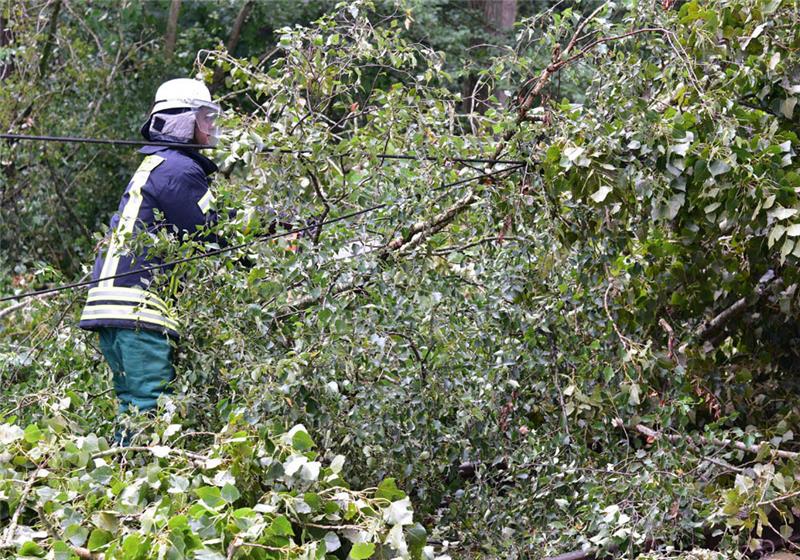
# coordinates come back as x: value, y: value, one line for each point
x: 169, y: 190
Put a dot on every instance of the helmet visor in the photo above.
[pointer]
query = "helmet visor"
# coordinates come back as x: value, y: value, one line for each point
x: 206, y: 121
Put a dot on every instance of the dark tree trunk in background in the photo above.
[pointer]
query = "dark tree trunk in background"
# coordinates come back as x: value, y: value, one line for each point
x: 233, y: 41
x: 6, y: 40
x: 47, y: 48
x: 171, y: 36
x: 499, y: 15
x: 498, y: 20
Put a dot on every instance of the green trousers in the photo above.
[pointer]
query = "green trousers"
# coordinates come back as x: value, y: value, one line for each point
x: 141, y: 362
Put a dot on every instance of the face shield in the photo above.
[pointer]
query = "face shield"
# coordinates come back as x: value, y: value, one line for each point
x: 205, y: 117
x: 187, y: 121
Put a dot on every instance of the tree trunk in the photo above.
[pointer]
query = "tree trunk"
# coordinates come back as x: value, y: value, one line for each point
x: 498, y: 15
x: 498, y: 19
x: 171, y: 36
x: 6, y: 40
x: 233, y: 41
x: 51, y: 35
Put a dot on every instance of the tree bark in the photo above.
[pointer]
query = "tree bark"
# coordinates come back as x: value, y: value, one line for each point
x: 233, y: 41
x: 498, y: 19
x: 171, y: 36
x: 6, y: 40
x: 48, y: 44
x: 498, y: 15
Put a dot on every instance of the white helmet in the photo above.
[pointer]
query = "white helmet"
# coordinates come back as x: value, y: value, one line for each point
x: 184, y: 93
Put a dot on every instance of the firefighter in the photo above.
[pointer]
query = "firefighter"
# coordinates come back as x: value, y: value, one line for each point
x: 170, y: 189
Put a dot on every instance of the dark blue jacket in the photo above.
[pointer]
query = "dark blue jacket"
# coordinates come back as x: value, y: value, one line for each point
x: 174, y: 182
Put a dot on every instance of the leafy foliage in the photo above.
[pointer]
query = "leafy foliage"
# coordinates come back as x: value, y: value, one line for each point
x: 169, y: 502
x: 495, y: 349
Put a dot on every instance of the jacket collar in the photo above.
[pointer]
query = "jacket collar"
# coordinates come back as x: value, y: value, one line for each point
x: 208, y: 166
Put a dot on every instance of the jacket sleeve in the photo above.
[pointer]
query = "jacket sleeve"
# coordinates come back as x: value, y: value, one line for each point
x: 186, y: 202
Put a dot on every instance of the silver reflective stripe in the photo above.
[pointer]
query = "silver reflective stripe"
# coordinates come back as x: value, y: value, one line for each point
x: 126, y: 294
x: 206, y: 202
x: 123, y: 312
x: 128, y: 218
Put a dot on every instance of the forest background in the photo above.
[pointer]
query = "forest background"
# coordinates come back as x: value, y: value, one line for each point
x: 591, y: 347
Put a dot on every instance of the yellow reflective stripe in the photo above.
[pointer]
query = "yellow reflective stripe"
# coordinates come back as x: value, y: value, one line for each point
x: 124, y: 312
x: 126, y: 291
x: 106, y: 294
x: 164, y: 324
x: 205, y: 202
x: 128, y: 218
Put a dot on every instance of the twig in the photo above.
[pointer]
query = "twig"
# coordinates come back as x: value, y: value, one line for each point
x: 12, y: 527
x: 581, y: 25
x: 576, y: 555
x: 779, y: 499
x: 670, y: 338
x: 20, y: 305
x: 723, y: 464
x: 455, y: 249
x: 556, y: 64
x: 422, y: 371
x: 560, y: 64
x: 271, y: 548
x: 80, y: 552
x: 715, y: 325
x: 233, y: 547
x: 169, y: 450
x: 755, y: 449
x: 627, y: 343
x: 325, y: 212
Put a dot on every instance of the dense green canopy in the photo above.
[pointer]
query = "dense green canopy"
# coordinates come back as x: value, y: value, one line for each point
x: 596, y: 349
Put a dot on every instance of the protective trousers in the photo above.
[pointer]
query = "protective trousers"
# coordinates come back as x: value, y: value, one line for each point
x: 141, y: 362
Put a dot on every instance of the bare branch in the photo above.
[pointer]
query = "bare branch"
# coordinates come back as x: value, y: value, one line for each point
x: 755, y: 449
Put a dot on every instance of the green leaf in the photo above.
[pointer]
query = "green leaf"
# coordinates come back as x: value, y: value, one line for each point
x: 210, y: 495
x: 281, y: 527
x: 98, y: 539
x: 178, y: 522
x: 230, y: 493
x: 313, y: 500
x: 360, y: 551
x: 132, y: 546
x: 30, y: 548
x: 302, y: 441
x: 417, y: 538
x: 106, y: 520
x: 33, y: 433
x: 76, y: 534
x: 601, y: 194
x: 388, y: 490
x: 718, y: 167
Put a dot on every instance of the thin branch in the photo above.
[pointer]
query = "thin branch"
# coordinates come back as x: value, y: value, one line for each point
x: 415, y: 350
x: 8, y: 540
x: 233, y: 41
x: 755, y: 449
x: 556, y: 64
x: 593, y: 44
x: 155, y: 451
x: 780, y: 499
x: 715, y: 325
x: 581, y: 26
x: 325, y: 212
x: 489, y: 239
x: 24, y: 303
